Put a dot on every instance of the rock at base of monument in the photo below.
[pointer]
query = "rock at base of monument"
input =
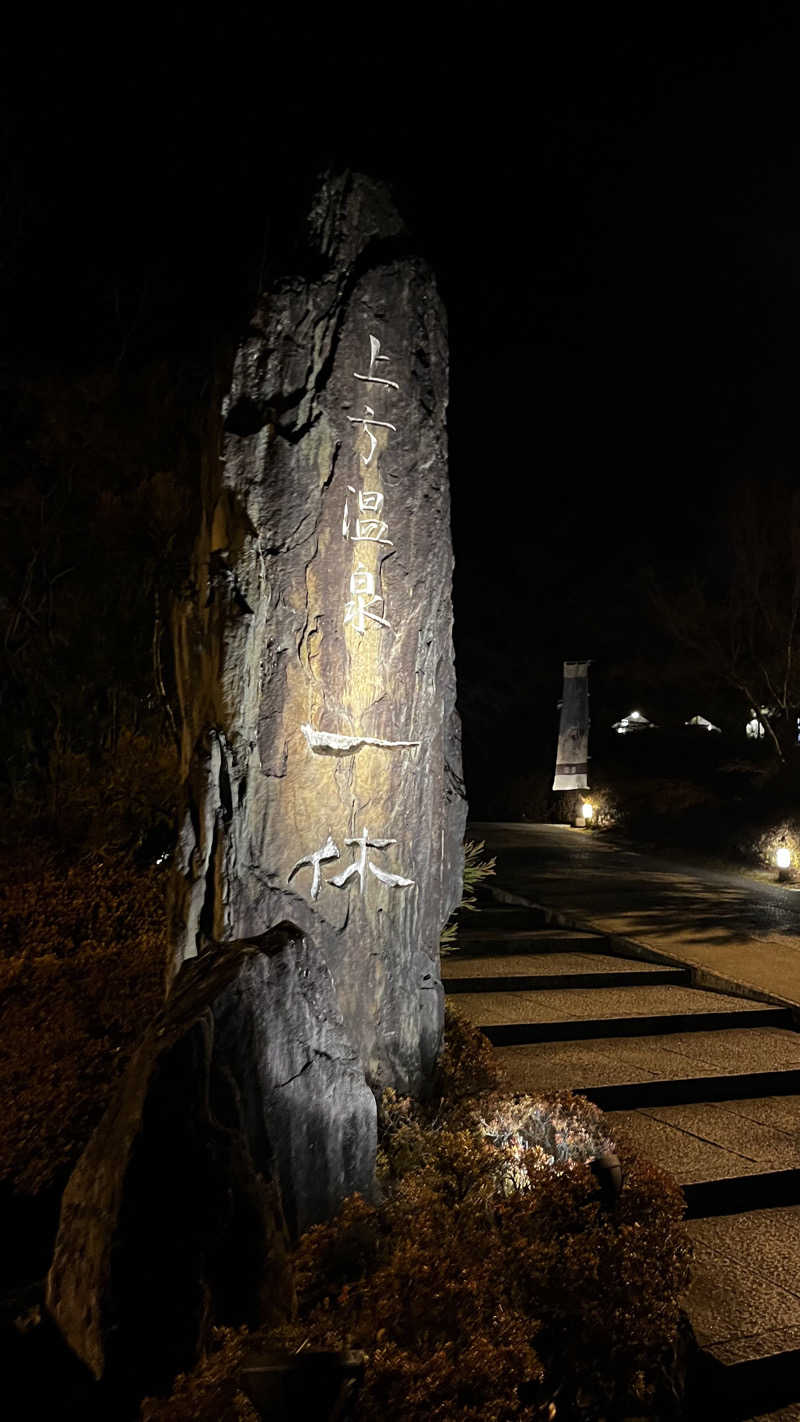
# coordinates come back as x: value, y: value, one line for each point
x: 280, y: 1039
x: 173, y: 1218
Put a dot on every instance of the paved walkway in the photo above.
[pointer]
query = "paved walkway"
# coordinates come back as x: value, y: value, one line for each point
x: 744, y: 933
x: 618, y: 986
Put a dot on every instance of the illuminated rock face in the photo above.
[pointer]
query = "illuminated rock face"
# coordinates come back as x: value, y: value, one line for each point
x: 232, y: 1128
x: 315, y: 664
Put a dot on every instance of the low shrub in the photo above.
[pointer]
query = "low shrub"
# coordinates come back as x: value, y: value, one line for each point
x: 82, y: 954
x: 474, y: 1301
x: 467, y: 1064
x: 535, y: 1133
x: 212, y: 1389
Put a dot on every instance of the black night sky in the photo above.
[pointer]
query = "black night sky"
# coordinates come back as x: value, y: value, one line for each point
x: 611, y: 205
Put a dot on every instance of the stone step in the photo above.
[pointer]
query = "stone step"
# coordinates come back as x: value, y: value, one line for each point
x: 734, y: 1194
x: 554, y: 1015
x: 670, y: 1062
x: 712, y: 1141
x: 482, y: 941
x: 728, y: 1391
x: 744, y: 1305
x: 731, y: 1086
x: 466, y: 972
x: 501, y: 916
x: 564, y: 959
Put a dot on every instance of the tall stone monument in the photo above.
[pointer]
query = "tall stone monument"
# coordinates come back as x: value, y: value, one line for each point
x: 320, y: 851
x: 321, y: 747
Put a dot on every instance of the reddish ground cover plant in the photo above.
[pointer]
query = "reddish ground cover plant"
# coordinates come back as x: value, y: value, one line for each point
x: 82, y: 955
x: 472, y: 1301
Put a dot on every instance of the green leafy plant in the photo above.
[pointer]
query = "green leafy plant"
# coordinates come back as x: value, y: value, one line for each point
x: 477, y: 869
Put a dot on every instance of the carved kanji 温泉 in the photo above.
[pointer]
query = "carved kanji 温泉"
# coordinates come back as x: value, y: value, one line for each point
x: 366, y: 530
x: 364, y: 597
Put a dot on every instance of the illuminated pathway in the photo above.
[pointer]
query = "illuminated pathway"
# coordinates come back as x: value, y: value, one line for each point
x: 742, y: 930
x: 703, y: 1081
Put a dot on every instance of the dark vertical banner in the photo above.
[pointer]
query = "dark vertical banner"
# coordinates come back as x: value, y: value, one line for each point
x: 572, y: 759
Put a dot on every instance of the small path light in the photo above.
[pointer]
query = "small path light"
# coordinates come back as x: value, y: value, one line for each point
x: 783, y: 859
x: 588, y: 812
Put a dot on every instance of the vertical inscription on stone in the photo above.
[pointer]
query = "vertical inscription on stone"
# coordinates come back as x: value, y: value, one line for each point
x: 317, y: 685
x: 365, y: 605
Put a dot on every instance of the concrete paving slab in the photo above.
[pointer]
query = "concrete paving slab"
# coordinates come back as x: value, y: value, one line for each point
x: 727, y: 1301
x: 781, y: 1113
x: 684, y: 1155
x: 704, y: 1141
x: 480, y: 932
x: 766, y: 1241
x: 563, y: 1066
x: 471, y: 965
x: 769, y: 1344
x: 738, y: 1049
x: 542, y: 1005
x: 604, y: 1061
x: 720, y: 1122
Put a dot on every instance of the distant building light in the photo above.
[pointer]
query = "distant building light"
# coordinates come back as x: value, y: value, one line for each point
x: 701, y: 721
x: 634, y: 721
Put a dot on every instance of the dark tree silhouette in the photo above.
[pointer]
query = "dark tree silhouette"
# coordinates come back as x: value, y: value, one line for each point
x: 737, y: 619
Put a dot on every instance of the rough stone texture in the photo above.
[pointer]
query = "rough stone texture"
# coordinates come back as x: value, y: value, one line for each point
x: 173, y: 1217
x: 280, y: 633
x: 303, y: 1092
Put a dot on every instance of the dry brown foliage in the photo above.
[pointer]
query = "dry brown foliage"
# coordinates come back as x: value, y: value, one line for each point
x: 467, y: 1064
x: 82, y: 954
x: 472, y: 1303
x: 211, y: 1390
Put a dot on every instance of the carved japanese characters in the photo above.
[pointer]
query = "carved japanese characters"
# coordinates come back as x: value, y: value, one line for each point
x: 316, y: 676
